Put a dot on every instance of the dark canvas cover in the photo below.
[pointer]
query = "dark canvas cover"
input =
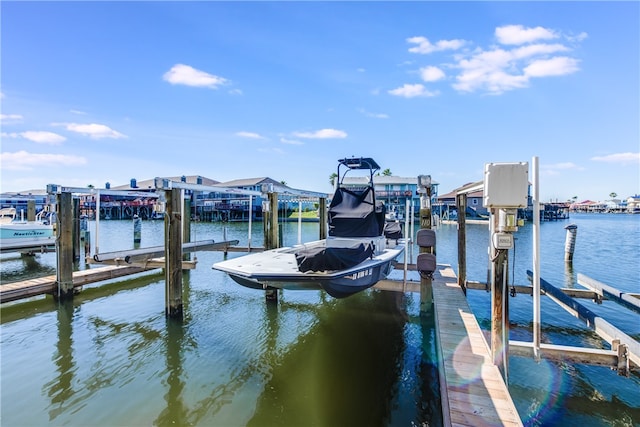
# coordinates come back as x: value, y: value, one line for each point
x: 354, y: 213
x: 393, y: 230
x: 330, y: 259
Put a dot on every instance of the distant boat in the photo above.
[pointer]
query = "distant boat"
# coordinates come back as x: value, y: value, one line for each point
x: 354, y: 257
x: 18, y: 235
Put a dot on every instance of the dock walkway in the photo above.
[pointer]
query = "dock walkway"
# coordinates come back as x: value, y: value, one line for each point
x: 473, y: 393
x: 472, y: 390
x: 47, y: 285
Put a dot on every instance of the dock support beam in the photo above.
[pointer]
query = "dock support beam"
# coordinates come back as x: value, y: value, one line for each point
x: 64, y: 247
x: 461, y: 202
x: 271, y: 241
x: 76, y: 229
x: 173, y: 253
x: 499, y: 303
x: 426, y: 285
x: 31, y: 210
x: 322, y: 215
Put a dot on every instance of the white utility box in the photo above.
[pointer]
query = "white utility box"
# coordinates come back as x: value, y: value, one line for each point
x: 506, y: 185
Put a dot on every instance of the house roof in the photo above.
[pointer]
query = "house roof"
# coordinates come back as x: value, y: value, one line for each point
x: 149, y: 184
x: 248, y: 182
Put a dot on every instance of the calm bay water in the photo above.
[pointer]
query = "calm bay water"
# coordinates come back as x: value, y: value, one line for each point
x: 112, y: 358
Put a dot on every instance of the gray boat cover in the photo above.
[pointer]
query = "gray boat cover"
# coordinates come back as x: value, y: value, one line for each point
x: 331, y: 259
x: 354, y: 213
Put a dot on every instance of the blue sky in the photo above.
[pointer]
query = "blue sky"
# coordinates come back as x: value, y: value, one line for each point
x: 96, y: 92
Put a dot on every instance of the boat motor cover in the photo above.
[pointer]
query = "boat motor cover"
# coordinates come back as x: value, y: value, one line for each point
x: 333, y: 258
x: 354, y: 213
x: 393, y: 230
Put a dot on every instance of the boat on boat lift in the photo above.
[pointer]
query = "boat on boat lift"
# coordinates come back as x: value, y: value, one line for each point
x: 355, y: 256
x: 19, y: 235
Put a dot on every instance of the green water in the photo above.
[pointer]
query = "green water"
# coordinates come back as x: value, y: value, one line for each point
x: 111, y: 358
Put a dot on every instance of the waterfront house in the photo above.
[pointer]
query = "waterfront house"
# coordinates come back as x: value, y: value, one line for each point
x: 394, y: 191
x: 445, y: 206
x: 633, y: 204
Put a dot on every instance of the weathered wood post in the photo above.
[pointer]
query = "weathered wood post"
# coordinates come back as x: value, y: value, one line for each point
x: 461, y: 202
x: 270, y: 293
x: 31, y: 210
x: 426, y: 285
x: 76, y: 229
x: 137, y: 229
x: 570, y: 242
x: 499, y: 301
x: 173, y: 253
x: 322, y: 215
x: 64, y: 247
x: 186, y: 225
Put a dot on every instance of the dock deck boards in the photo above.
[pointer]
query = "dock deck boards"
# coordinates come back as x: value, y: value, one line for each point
x: 474, y: 389
x: 46, y: 285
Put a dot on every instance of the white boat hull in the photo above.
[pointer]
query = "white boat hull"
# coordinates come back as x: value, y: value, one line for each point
x: 278, y: 268
x: 25, y: 235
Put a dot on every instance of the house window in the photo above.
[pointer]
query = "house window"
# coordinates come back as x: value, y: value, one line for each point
x: 474, y: 202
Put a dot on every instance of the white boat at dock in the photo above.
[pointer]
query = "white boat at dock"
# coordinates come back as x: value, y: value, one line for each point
x: 354, y: 257
x: 18, y: 235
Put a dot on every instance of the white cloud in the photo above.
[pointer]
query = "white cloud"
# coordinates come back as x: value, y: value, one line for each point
x: 181, y: 74
x: 527, y: 53
x: 431, y: 74
x: 412, y: 91
x: 322, y: 134
x: 93, y: 130
x: 558, y: 66
x: 517, y: 34
x: 291, y: 141
x: 10, y: 118
x: 250, y: 135
x: 23, y: 160
x: 373, y: 115
x: 78, y: 112
x: 622, y: 158
x: 424, y: 46
x: 557, y: 168
x: 43, y: 137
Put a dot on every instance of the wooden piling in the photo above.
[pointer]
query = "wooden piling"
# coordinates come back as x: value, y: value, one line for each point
x: 137, y: 229
x: 186, y: 226
x: 271, y: 240
x: 461, y: 201
x: 322, y: 215
x: 570, y: 242
x: 64, y: 247
x: 499, y: 303
x: 76, y: 229
x: 173, y: 253
x: 426, y: 286
x: 31, y: 210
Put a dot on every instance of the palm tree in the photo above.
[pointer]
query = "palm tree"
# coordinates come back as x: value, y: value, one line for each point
x: 332, y: 179
x: 613, y: 195
x: 386, y: 172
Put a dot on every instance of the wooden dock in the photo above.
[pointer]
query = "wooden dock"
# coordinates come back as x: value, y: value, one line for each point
x: 47, y: 285
x: 472, y: 390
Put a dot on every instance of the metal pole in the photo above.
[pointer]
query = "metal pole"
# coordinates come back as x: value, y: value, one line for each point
x: 299, y: 221
x: 536, y: 258
x: 97, y: 250
x: 250, y: 220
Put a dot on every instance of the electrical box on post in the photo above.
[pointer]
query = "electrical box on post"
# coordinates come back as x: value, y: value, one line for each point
x: 506, y: 185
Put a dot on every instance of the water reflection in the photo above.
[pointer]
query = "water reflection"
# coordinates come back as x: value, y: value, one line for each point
x: 60, y: 390
x: 327, y: 379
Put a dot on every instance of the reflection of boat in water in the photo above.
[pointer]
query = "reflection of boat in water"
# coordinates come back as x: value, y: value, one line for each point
x: 24, y: 236
x: 354, y: 257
